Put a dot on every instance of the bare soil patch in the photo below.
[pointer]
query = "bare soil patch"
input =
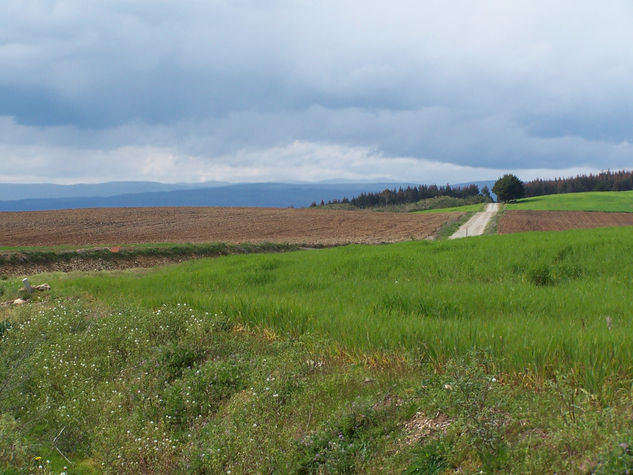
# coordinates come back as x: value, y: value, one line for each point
x: 230, y: 225
x: 420, y: 426
x: 522, y: 221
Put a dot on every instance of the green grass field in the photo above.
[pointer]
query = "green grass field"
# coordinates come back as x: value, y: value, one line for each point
x: 544, y: 297
x: 497, y: 354
x: 612, y: 201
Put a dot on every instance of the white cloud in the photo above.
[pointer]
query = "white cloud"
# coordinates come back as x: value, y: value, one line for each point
x: 296, y: 161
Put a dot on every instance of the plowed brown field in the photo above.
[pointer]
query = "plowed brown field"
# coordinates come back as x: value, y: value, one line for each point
x: 521, y: 221
x: 229, y: 225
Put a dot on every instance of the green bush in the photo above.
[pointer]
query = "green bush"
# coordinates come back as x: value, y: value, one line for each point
x: 540, y: 275
x: 336, y: 448
x: 201, y: 390
x: 175, y: 358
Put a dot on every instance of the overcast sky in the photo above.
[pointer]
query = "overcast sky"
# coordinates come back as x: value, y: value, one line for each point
x: 279, y: 90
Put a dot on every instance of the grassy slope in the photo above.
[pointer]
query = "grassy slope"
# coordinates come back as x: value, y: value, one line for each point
x: 178, y: 391
x: 536, y: 301
x: 521, y: 342
x: 613, y: 201
x: 174, y: 390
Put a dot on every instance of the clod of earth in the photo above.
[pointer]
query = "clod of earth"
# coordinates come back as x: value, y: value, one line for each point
x: 420, y: 426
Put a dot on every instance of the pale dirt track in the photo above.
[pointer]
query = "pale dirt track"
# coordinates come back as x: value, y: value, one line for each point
x: 230, y: 225
x: 522, y: 221
x: 476, y: 225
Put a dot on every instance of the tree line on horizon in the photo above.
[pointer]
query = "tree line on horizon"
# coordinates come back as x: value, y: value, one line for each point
x: 605, y: 181
x: 410, y: 194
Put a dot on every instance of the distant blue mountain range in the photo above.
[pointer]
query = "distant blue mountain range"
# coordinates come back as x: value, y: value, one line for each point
x: 144, y: 194
x: 49, y: 190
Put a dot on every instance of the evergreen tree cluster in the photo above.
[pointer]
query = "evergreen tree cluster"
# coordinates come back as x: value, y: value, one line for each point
x: 410, y: 194
x: 605, y: 181
x: 508, y: 188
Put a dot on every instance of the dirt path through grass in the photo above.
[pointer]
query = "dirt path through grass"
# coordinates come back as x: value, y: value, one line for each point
x: 476, y: 225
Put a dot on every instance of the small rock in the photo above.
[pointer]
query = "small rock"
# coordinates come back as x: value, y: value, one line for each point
x: 40, y: 287
x: 19, y: 301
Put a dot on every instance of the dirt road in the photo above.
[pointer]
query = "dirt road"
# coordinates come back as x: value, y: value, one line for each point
x: 476, y: 225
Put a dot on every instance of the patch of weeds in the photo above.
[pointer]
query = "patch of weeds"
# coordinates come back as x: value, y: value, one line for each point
x: 4, y: 326
x: 345, y: 441
x: 450, y: 227
x: 8, y: 290
x: 398, y: 303
x: 618, y: 460
x: 175, y: 358
x: 570, y: 271
x: 543, y: 274
x: 259, y: 278
x: 13, y: 448
x: 540, y: 275
x: 563, y: 253
x: 573, y: 399
x: 430, y: 459
x: 471, y: 393
x: 493, y: 224
x: 201, y: 391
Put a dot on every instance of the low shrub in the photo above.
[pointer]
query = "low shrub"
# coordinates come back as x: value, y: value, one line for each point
x: 540, y: 275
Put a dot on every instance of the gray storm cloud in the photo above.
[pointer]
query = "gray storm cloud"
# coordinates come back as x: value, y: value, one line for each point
x: 490, y: 85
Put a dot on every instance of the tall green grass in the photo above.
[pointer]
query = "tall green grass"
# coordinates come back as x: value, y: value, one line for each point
x: 613, y: 201
x: 537, y: 303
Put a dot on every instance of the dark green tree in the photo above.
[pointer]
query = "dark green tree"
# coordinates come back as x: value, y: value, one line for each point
x: 508, y: 188
x: 485, y: 192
